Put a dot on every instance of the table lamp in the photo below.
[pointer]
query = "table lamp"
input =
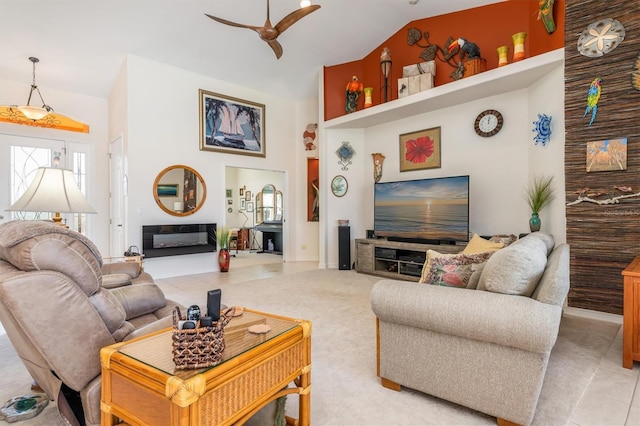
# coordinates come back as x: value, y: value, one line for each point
x: 53, y: 190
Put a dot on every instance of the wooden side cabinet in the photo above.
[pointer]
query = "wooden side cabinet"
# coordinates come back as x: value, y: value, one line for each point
x: 631, y: 314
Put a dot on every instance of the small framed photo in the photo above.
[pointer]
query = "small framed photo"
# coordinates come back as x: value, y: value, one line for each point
x: 420, y: 150
x: 243, y: 204
x: 339, y: 186
x: 230, y: 201
x: 229, y: 193
x: 242, y: 192
x: 250, y: 206
x: 247, y: 195
x: 167, y: 190
x: 607, y: 155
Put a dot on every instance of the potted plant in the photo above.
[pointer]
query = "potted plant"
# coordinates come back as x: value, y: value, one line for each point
x: 224, y: 258
x: 539, y: 193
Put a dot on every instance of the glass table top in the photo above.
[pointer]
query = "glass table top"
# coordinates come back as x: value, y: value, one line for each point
x: 156, y: 351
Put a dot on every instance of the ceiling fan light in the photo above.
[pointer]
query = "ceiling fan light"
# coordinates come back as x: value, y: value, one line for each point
x: 34, y: 113
x: 305, y: 3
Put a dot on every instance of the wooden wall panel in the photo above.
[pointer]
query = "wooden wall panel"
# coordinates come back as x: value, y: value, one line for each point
x: 603, y: 238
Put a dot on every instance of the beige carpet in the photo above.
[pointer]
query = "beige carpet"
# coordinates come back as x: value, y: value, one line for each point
x: 345, y: 389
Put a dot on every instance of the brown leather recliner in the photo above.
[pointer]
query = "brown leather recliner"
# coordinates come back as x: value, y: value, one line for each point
x: 58, y: 315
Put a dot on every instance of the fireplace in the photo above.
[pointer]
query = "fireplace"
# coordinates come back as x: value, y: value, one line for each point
x: 174, y: 240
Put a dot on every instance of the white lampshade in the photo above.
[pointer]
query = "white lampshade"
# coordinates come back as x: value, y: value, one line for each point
x: 53, y: 190
x: 178, y: 206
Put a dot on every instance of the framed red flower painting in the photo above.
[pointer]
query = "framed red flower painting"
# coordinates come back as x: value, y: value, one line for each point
x: 420, y: 150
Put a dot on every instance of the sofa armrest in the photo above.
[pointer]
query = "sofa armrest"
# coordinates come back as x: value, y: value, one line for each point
x: 161, y: 324
x: 507, y: 320
x: 130, y: 268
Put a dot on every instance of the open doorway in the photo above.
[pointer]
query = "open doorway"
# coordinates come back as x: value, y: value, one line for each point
x: 255, y: 211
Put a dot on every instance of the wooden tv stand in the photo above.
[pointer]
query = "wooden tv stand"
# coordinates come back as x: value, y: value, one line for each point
x: 396, y: 260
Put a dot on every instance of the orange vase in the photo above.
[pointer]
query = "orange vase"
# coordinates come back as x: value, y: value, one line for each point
x: 224, y: 259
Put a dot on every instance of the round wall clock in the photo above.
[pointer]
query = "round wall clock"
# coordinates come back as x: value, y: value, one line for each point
x: 488, y: 123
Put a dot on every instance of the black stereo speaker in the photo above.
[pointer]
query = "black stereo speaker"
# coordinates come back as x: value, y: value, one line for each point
x: 344, y: 247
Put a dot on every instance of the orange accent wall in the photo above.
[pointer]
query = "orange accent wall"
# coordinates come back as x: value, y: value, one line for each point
x: 487, y: 26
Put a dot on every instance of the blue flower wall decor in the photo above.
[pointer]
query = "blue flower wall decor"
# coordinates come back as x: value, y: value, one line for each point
x: 344, y: 153
x: 542, y: 129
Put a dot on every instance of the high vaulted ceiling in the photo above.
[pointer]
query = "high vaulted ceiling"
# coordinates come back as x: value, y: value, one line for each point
x: 82, y: 44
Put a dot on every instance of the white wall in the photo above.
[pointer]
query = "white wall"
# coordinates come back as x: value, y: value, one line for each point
x: 87, y: 109
x: 162, y: 115
x: 499, y: 167
x: 547, y: 97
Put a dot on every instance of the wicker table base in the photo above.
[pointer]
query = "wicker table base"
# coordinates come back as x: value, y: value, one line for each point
x: 141, y: 386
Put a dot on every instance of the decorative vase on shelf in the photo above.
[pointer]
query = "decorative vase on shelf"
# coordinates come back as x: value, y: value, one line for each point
x: 368, y: 101
x: 534, y: 222
x: 502, y: 55
x: 224, y: 259
x: 518, y: 46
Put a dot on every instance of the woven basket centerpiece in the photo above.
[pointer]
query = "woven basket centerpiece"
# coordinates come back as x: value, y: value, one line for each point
x: 199, y: 347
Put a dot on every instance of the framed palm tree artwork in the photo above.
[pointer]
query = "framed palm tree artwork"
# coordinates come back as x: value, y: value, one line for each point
x: 420, y: 150
x: 231, y: 125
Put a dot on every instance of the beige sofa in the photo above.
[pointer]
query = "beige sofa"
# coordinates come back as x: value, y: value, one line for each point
x: 485, y: 349
x: 58, y: 315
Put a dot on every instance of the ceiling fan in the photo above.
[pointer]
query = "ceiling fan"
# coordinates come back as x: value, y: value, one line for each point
x: 268, y: 32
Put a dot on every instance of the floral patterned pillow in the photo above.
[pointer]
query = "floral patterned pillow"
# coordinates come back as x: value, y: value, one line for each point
x: 503, y: 238
x: 454, y: 271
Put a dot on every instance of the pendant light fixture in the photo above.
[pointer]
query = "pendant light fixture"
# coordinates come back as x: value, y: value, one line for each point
x: 34, y: 112
x: 39, y: 116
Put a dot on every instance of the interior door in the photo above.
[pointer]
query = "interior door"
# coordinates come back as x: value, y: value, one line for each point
x: 117, y: 191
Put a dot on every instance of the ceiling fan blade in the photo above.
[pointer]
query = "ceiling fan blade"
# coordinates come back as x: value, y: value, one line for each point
x: 233, y: 24
x: 294, y: 17
x: 277, y: 48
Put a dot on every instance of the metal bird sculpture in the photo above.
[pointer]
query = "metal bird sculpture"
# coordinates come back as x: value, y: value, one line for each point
x: 471, y: 49
x: 593, y: 95
x: 268, y: 32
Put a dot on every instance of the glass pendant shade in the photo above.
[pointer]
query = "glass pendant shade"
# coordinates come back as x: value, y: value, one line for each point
x: 32, y: 112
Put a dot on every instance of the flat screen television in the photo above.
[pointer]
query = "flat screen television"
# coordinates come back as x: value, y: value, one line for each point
x: 432, y: 210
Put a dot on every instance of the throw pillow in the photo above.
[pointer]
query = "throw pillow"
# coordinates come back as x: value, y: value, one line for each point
x: 427, y: 264
x: 455, y: 270
x: 515, y: 269
x: 480, y: 245
x: 503, y: 238
x: 476, y: 272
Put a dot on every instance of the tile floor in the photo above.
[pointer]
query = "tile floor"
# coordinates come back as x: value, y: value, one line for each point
x: 613, y: 396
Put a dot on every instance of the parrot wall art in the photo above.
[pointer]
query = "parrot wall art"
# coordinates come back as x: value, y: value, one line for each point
x: 593, y: 96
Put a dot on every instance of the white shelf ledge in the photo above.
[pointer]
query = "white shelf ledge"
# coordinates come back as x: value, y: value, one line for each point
x: 515, y: 76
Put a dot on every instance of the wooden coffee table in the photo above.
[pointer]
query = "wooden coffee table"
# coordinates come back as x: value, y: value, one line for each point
x: 141, y: 385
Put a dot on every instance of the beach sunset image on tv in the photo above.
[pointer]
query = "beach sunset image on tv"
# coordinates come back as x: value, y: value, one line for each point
x: 426, y: 209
